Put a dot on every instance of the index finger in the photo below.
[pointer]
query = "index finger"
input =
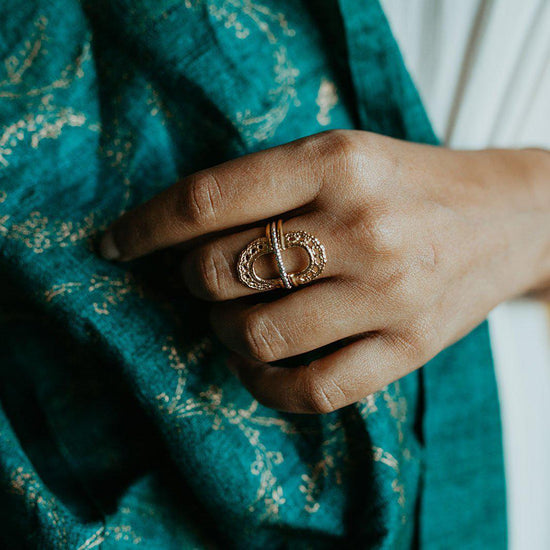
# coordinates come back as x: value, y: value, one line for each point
x: 241, y: 191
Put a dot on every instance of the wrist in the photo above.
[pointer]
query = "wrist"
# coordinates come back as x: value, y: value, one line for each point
x: 518, y: 185
x: 539, y: 163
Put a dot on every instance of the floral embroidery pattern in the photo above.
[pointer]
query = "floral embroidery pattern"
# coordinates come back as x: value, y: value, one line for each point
x: 110, y: 291
x: 237, y: 15
x: 210, y: 403
x: 39, y: 234
x: 327, y: 98
x: 26, y: 485
x: 47, y: 121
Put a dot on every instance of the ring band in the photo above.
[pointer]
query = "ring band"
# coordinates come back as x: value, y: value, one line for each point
x: 276, y: 239
x: 274, y: 243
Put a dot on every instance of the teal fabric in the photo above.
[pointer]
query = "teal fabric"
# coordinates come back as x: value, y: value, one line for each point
x: 119, y: 423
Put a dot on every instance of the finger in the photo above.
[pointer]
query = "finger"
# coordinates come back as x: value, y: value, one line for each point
x: 310, y: 318
x: 332, y: 382
x: 238, y: 192
x: 210, y: 271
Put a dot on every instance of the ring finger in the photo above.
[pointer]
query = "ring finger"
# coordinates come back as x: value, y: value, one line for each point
x: 210, y: 271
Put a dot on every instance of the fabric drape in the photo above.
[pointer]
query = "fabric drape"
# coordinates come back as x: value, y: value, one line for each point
x: 120, y: 425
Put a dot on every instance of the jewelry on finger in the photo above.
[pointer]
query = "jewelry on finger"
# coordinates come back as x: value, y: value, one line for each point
x: 276, y: 239
x: 275, y: 242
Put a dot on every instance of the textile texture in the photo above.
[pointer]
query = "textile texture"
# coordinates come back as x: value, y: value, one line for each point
x: 120, y: 425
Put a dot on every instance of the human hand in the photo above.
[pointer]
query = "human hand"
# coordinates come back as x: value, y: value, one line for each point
x: 421, y: 243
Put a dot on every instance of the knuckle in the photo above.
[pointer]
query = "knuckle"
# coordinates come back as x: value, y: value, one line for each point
x: 317, y: 398
x: 340, y: 146
x: 380, y: 234
x: 407, y: 285
x: 203, y: 199
x: 212, y: 264
x: 394, y: 281
x: 416, y: 341
x: 402, y: 286
x: 422, y: 332
x: 409, y: 346
x: 263, y: 339
x: 344, y: 145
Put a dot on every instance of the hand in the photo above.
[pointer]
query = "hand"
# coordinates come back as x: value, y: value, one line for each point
x: 422, y: 242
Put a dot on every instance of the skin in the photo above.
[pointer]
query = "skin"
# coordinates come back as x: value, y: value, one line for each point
x: 422, y: 242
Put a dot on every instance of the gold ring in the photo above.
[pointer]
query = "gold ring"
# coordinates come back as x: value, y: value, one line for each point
x: 275, y: 242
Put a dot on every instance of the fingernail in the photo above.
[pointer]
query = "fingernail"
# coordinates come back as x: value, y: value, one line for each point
x: 108, y: 248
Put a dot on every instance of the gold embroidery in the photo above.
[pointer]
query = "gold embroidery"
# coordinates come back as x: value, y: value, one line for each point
x: 111, y: 290
x: 311, y: 488
x: 39, y: 234
x: 123, y: 532
x: 210, y: 402
x: 327, y: 98
x: 96, y: 539
x: 260, y: 127
x: 400, y: 490
x: 37, y: 231
x: 28, y: 486
x: 18, y: 64
x: 379, y: 455
x: 397, y: 407
x: 116, y: 153
x: 367, y: 406
x: 5, y: 218
x: 48, y: 121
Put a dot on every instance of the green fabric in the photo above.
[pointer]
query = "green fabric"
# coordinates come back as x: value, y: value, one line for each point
x: 119, y: 423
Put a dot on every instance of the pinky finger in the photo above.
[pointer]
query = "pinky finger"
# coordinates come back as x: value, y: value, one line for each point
x: 332, y: 382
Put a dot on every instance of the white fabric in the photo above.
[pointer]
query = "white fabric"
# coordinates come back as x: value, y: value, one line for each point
x: 483, y: 71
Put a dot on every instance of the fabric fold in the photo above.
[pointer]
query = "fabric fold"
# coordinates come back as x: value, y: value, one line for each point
x: 103, y: 104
